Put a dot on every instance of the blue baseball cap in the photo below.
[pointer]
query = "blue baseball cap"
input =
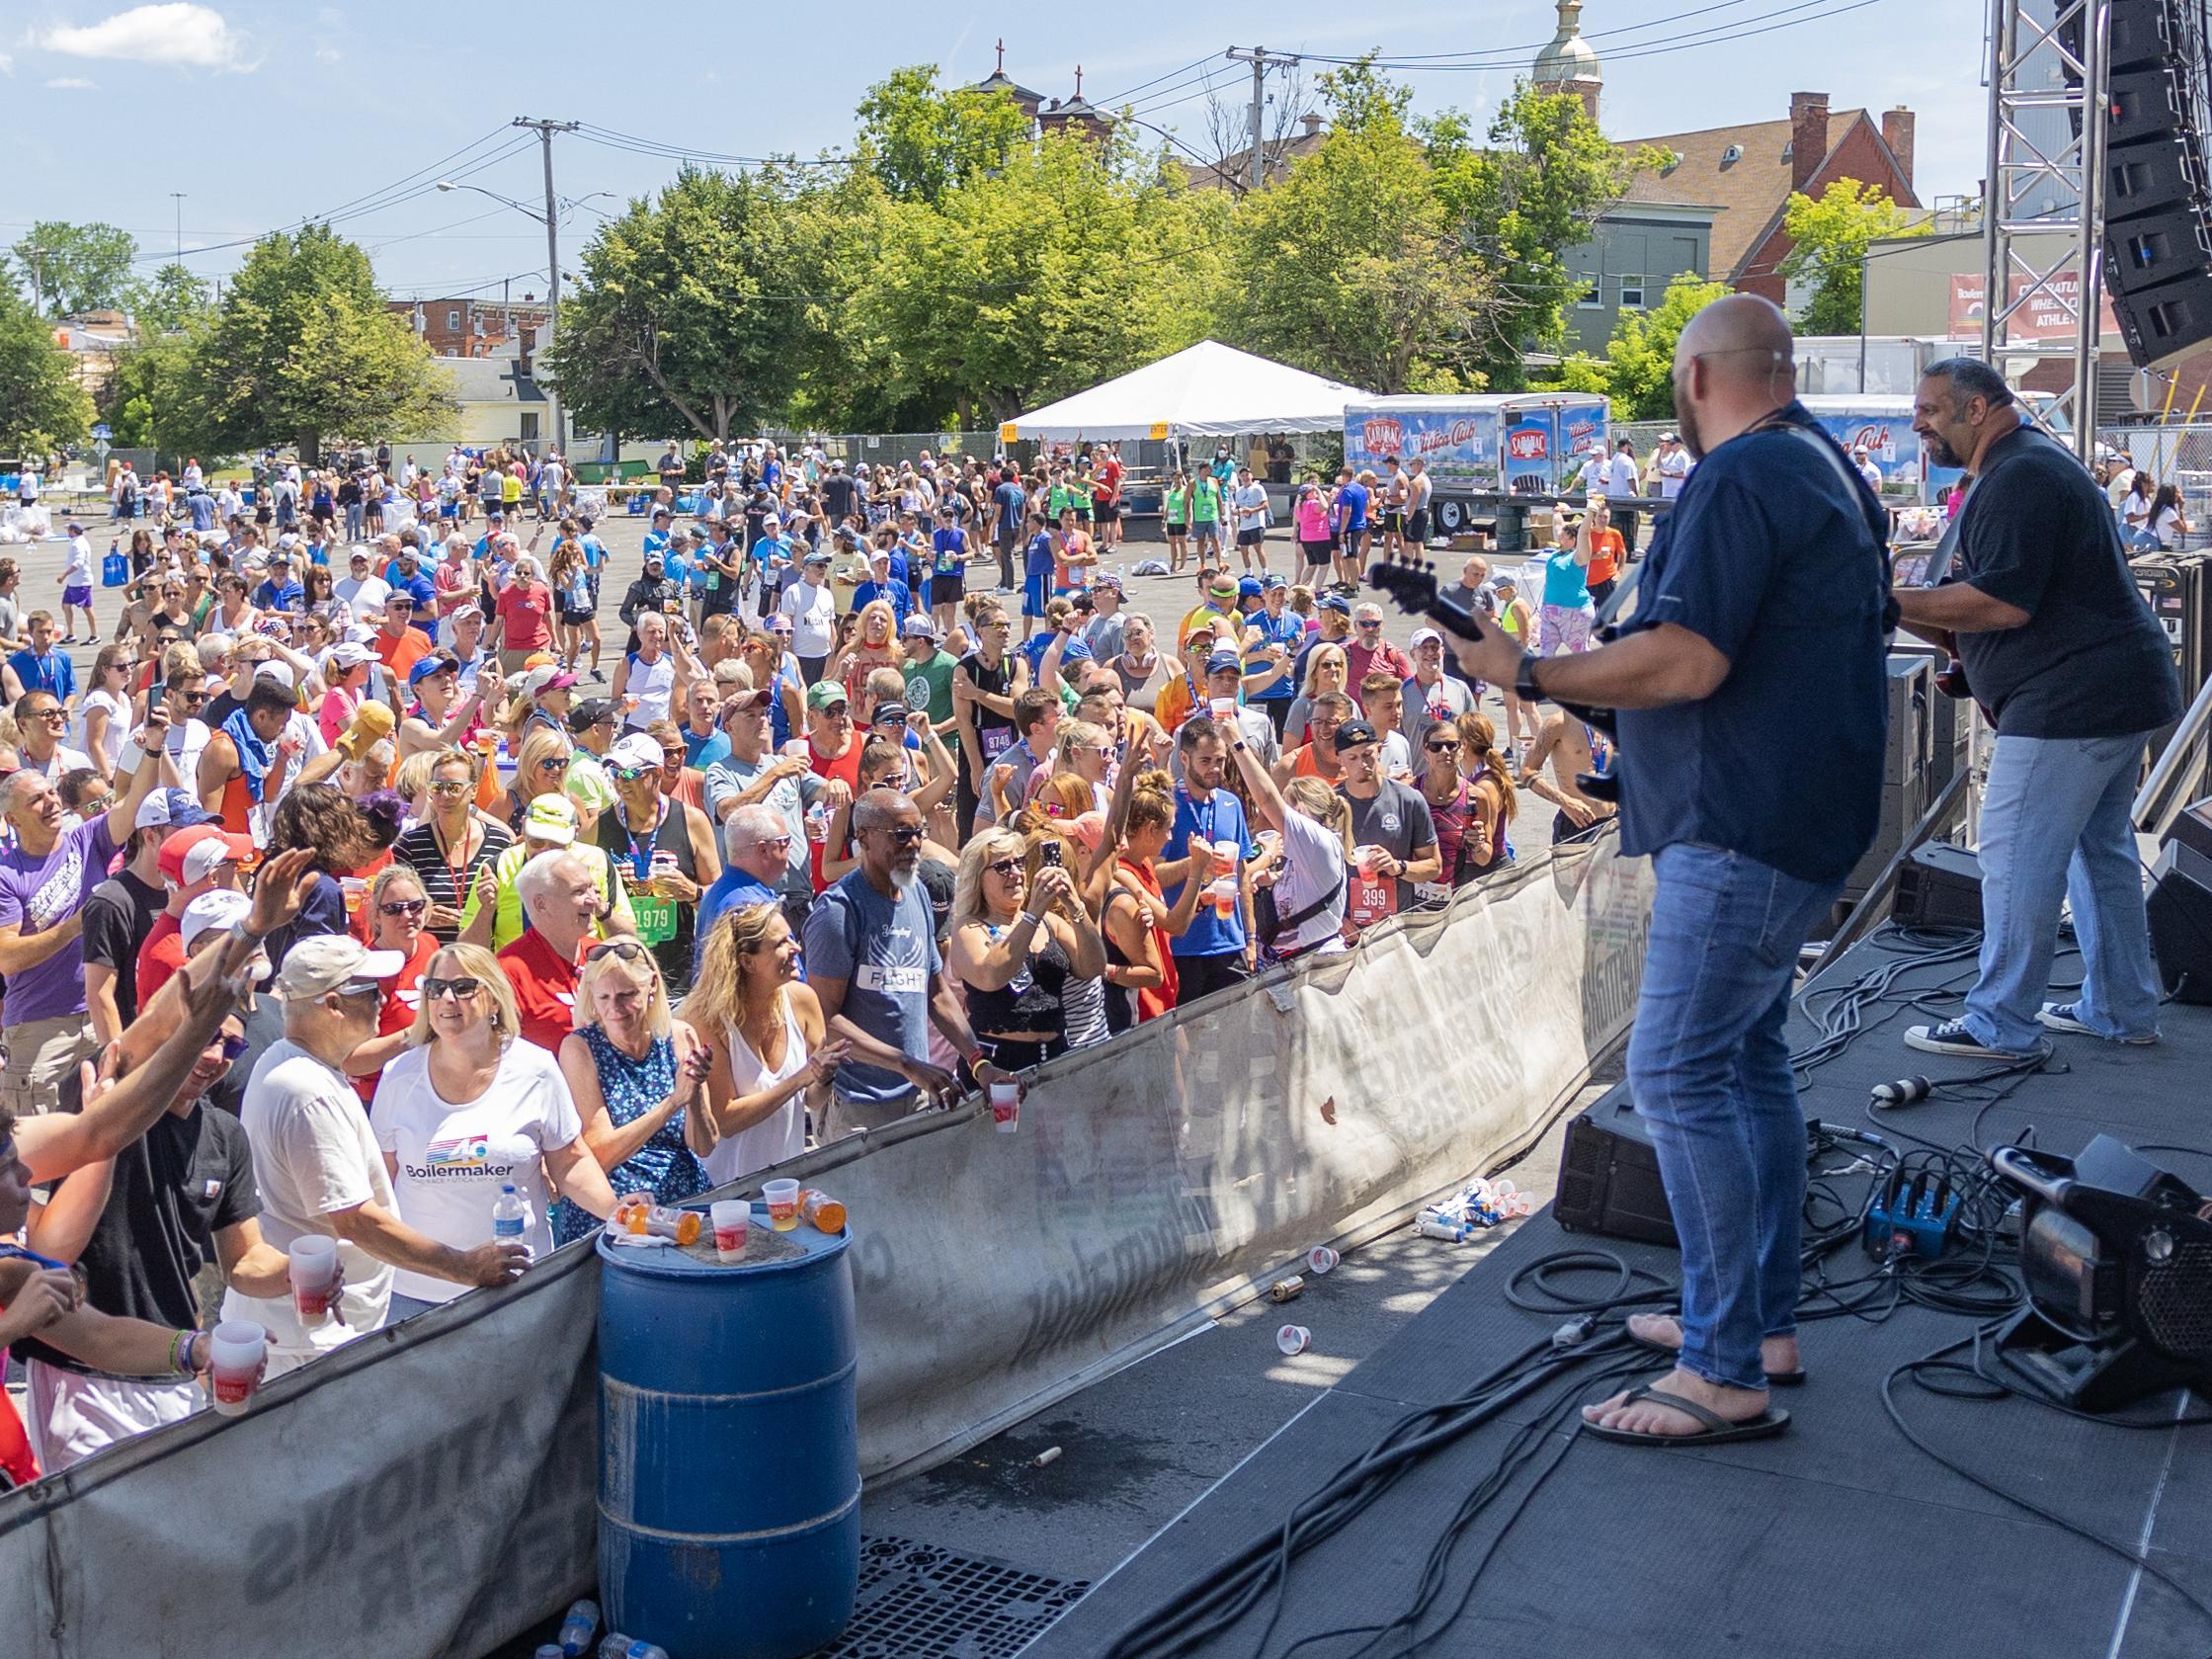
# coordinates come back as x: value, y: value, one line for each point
x: 1274, y: 579
x: 1221, y: 660
x: 1336, y: 601
x: 1075, y: 651
x: 171, y: 808
x: 1250, y: 587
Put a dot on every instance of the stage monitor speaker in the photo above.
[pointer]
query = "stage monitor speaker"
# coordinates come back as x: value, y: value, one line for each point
x: 1609, y: 1175
x: 2180, y: 906
x: 2194, y: 827
x: 1939, y: 885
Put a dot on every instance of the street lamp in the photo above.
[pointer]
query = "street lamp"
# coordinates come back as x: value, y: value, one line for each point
x: 551, y: 221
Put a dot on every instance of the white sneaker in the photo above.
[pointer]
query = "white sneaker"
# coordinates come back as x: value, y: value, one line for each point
x: 2064, y: 1017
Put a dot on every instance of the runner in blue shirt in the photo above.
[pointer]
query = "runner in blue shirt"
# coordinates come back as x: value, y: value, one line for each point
x: 1036, y: 572
x: 881, y: 584
x: 1273, y: 624
x: 948, y: 569
x: 657, y: 539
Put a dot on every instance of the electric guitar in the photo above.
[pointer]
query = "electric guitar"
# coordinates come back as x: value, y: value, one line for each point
x: 1417, y: 592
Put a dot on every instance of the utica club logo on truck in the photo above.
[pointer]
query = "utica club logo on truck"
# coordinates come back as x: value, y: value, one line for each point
x: 1384, y: 436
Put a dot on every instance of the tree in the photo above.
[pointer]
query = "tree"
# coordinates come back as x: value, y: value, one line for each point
x: 76, y: 268
x: 1637, y: 371
x: 1075, y: 261
x: 173, y: 298
x: 42, y: 403
x: 304, y: 349
x: 1521, y: 204
x: 686, y: 314
x: 1829, y: 240
x: 1354, y: 267
x: 920, y: 140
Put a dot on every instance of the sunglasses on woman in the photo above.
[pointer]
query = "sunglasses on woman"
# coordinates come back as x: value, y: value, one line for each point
x: 1442, y: 747
x: 460, y: 990
x: 553, y: 763
x: 1005, y: 869
x: 403, y: 906
x: 448, y: 786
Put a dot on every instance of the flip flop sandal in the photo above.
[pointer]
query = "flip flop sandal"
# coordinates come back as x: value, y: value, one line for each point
x: 1774, y: 1379
x: 1716, y: 1431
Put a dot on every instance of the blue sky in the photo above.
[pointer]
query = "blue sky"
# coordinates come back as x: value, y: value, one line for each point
x: 263, y: 115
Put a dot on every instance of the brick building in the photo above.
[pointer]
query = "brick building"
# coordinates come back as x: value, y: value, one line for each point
x: 476, y: 327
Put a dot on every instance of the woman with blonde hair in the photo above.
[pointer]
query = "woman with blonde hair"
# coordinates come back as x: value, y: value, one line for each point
x: 875, y: 644
x: 1017, y: 941
x: 1327, y: 668
x: 540, y: 769
x: 1308, y: 850
x: 1084, y: 752
x: 448, y: 843
x: 1137, y: 921
x: 394, y: 911
x: 469, y: 1110
x: 767, y: 1045
x: 637, y: 1077
x: 1491, y: 799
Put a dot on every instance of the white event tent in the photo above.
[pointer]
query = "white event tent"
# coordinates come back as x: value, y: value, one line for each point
x: 1206, y: 391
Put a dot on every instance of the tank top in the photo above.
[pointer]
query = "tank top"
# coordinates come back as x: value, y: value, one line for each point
x: 661, y: 923
x: 1028, y: 1002
x: 1125, y: 1008
x: 994, y: 733
x: 782, y: 1133
x: 1508, y: 622
x: 652, y: 684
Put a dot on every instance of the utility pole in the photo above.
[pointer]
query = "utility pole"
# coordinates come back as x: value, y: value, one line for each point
x: 37, y: 258
x: 178, y: 197
x: 1262, y: 61
x: 545, y: 130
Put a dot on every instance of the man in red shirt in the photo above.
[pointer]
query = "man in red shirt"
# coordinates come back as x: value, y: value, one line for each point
x: 1370, y: 654
x: 833, y: 749
x: 1106, y: 499
x: 561, y: 903
x: 194, y: 861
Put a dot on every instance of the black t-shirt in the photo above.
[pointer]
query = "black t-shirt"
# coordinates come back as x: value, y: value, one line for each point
x: 176, y: 1186
x: 265, y: 1029
x: 220, y: 707
x: 118, y: 916
x: 2091, y: 661
x: 839, y: 496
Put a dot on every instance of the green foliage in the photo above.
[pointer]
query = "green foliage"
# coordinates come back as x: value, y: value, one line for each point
x: 1068, y: 266
x: 303, y: 350
x: 921, y: 141
x: 1352, y: 266
x: 42, y: 403
x: 79, y: 267
x: 172, y: 300
x: 1535, y: 192
x: 1637, y: 371
x: 685, y: 315
x: 1829, y: 238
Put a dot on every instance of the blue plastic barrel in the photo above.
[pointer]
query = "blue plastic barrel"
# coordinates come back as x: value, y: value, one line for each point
x: 729, y: 1483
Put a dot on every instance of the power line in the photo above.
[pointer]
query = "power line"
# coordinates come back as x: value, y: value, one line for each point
x: 1689, y: 40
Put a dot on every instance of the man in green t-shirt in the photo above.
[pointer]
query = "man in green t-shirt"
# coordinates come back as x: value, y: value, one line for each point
x: 1205, y: 517
x: 928, y: 670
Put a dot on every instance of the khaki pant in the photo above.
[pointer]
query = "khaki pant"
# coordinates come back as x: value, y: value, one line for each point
x: 40, y: 1054
x: 849, y: 1116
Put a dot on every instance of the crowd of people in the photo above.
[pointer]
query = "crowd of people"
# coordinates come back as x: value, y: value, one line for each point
x: 364, y: 876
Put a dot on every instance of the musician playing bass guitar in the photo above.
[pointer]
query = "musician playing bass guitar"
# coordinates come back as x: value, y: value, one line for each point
x: 2065, y: 657
x: 1749, y: 682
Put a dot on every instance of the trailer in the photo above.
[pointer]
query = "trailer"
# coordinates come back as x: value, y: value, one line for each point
x: 1478, y: 447
x: 1883, y: 427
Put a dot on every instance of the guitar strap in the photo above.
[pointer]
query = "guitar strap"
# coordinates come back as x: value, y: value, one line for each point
x: 1946, y: 551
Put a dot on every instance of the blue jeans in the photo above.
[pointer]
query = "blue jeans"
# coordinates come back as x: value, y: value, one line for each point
x: 1709, y: 1069
x: 2055, y: 824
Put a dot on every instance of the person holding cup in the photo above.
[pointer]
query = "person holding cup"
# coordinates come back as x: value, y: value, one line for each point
x: 637, y: 1078
x: 178, y: 1198
x: 1017, y: 944
x: 470, y: 1108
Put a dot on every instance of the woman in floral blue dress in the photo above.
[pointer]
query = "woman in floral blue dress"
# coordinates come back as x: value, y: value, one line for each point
x: 639, y: 1081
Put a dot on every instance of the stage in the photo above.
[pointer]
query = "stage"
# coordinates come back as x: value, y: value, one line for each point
x: 1838, y: 1538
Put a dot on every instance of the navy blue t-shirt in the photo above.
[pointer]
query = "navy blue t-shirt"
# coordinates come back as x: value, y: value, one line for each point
x: 1769, y: 556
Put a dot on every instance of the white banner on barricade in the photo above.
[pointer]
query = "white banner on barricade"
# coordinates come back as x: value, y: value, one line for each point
x: 429, y: 1490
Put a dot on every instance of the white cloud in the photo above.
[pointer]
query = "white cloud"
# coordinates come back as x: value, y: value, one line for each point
x: 175, y: 32
x: 328, y: 54
x: 69, y: 83
x: 7, y: 64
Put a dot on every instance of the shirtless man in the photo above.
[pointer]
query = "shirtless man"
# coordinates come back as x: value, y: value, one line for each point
x: 1565, y: 741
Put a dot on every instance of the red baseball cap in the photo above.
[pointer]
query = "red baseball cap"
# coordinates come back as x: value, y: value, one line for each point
x: 190, y: 855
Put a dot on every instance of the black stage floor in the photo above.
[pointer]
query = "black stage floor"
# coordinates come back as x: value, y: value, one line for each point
x: 1839, y: 1538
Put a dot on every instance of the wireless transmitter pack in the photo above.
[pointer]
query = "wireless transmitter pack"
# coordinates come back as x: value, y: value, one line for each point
x: 1912, y: 1215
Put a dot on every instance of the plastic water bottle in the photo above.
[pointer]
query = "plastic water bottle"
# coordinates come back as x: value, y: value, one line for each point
x: 619, y: 1646
x: 510, y: 1216
x: 577, y: 1628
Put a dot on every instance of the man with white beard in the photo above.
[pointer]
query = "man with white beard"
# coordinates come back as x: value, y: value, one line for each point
x: 872, y: 959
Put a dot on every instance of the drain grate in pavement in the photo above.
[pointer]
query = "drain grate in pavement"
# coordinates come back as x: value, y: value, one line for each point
x: 920, y: 1602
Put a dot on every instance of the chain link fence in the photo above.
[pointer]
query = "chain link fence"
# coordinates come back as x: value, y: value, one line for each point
x: 2176, y: 455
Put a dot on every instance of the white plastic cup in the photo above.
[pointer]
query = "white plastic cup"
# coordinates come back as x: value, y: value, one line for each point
x: 1005, y: 1107
x: 1320, y: 1258
x: 732, y: 1219
x: 1223, y: 709
x: 1225, y: 853
x: 1293, y: 1339
x: 235, y: 1372
x: 1223, y: 896
x: 314, y: 1278
x: 1369, y: 860
x: 782, y: 1204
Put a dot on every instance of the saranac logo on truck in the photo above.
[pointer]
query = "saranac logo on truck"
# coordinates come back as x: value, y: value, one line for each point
x: 1383, y: 435
x: 1529, y: 444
